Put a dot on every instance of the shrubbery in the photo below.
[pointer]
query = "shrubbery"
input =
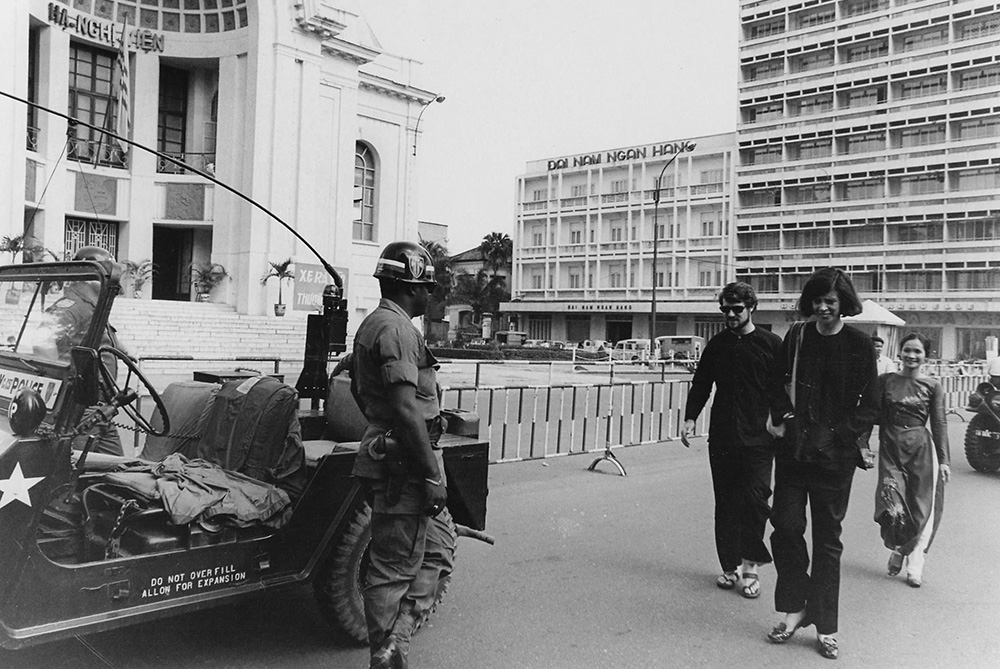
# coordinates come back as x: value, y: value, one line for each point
x: 481, y: 352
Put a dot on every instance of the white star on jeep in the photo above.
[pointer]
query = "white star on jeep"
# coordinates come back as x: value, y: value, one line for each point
x: 16, y: 487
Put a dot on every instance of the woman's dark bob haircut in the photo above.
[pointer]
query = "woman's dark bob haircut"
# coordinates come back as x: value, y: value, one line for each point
x: 739, y: 291
x: 920, y: 337
x: 822, y: 282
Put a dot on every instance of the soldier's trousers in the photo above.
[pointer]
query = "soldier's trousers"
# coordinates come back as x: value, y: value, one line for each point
x: 107, y: 438
x: 410, y: 554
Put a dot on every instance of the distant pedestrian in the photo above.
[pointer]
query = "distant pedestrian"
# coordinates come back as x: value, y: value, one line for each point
x: 823, y: 421
x: 737, y: 362
x: 884, y: 364
x: 913, y: 463
x: 993, y: 369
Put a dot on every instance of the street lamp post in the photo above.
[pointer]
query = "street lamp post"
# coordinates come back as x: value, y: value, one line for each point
x: 416, y: 128
x: 656, y: 250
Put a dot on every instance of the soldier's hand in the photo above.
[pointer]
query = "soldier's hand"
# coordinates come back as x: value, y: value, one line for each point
x: 435, y: 496
x: 687, y: 432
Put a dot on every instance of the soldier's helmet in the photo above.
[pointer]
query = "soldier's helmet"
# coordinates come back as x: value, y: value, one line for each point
x: 405, y: 261
x: 93, y: 253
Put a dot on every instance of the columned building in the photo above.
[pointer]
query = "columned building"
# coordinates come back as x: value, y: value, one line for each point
x: 869, y: 139
x: 292, y: 103
x: 586, y: 252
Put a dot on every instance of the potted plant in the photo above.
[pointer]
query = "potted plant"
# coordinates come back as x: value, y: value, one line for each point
x: 140, y: 271
x: 282, y: 272
x: 26, y: 245
x: 205, y: 277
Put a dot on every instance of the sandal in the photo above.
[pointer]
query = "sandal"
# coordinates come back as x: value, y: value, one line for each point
x: 827, y: 647
x: 781, y: 633
x: 751, y: 586
x: 895, y: 563
x: 727, y: 580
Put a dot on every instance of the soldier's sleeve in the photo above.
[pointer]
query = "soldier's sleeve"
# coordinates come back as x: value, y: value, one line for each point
x: 399, y: 349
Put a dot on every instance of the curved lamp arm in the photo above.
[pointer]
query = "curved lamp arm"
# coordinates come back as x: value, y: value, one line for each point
x: 416, y: 128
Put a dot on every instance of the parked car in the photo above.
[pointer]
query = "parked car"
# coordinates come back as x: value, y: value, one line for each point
x: 679, y: 347
x: 510, y: 338
x: 594, y: 345
x: 631, y: 349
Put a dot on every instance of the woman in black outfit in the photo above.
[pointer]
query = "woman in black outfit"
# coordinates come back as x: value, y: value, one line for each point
x: 835, y: 406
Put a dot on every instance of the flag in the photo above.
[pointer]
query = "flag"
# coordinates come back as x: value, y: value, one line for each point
x: 123, y: 117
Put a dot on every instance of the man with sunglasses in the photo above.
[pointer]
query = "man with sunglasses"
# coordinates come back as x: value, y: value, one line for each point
x: 737, y: 361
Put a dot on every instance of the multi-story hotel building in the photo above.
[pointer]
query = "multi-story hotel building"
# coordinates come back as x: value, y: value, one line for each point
x: 869, y: 139
x: 292, y: 103
x: 584, y: 241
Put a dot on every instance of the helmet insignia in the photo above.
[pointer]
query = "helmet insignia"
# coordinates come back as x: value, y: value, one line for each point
x: 417, y: 265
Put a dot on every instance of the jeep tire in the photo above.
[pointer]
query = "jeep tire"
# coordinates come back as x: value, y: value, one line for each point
x: 338, y: 583
x: 981, y: 457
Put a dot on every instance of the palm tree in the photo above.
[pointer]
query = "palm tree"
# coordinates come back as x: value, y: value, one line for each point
x: 497, y: 250
x: 438, y: 252
x: 279, y: 271
x: 481, y: 291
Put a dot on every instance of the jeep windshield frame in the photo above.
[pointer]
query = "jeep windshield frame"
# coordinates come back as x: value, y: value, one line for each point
x: 27, y: 291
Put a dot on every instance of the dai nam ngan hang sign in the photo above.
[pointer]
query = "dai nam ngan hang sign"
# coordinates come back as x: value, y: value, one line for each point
x: 622, y: 155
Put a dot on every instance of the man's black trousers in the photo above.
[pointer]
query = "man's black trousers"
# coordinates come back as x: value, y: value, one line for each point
x: 741, y: 478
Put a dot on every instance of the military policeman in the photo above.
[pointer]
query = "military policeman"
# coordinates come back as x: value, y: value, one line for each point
x: 65, y: 324
x: 394, y: 379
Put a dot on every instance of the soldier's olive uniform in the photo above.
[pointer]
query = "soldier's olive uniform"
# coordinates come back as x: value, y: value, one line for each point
x: 410, y: 552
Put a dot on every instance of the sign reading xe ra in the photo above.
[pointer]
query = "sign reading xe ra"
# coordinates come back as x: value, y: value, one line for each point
x: 310, y: 280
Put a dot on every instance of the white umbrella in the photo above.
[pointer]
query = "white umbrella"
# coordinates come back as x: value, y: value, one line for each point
x: 874, y: 313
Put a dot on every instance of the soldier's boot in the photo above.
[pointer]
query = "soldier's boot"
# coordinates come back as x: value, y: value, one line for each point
x: 388, y: 656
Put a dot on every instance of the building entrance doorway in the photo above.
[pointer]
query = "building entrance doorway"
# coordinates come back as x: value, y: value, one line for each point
x: 172, y: 252
x: 618, y: 330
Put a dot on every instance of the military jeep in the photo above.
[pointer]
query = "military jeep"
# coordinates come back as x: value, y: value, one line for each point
x: 88, y: 543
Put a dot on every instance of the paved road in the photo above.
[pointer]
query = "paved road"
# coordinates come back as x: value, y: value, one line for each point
x: 594, y: 571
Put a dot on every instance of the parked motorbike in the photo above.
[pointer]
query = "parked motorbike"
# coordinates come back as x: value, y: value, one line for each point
x: 982, y: 438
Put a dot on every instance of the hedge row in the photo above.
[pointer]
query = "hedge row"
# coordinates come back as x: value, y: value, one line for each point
x: 512, y: 353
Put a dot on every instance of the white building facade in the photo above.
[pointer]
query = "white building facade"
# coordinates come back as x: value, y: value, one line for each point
x: 583, y: 265
x: 293, y: 104
x: 869, y: 139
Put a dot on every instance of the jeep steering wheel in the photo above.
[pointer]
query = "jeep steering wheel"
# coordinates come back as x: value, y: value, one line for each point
x: 112, y: 384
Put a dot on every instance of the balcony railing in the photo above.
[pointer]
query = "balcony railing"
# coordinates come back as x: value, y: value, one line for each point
x: 199, y: 161
x: 32, y: 139
x: 108, y: 152
x: 573, y: 202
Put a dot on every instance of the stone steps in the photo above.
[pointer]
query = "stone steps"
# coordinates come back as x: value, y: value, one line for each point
x: 206, y: 331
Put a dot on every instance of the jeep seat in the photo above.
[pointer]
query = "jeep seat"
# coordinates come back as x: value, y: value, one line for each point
x: 188, y: 403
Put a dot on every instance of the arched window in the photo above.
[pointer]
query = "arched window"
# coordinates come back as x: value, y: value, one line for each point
x: 364, y: 193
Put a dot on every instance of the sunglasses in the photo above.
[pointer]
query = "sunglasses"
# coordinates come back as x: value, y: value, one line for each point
x: 737, y: 310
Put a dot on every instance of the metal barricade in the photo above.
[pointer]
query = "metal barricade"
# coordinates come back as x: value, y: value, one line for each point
x: 957, y: 390
x: 526, y: 422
